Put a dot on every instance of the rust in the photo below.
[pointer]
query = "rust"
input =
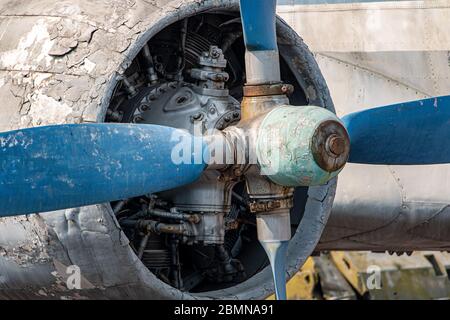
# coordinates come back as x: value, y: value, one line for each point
x: 268, y: 90
x: 255, y: 106
x: 269, y: 205
x: 331, y: 146
x: 335, y: 145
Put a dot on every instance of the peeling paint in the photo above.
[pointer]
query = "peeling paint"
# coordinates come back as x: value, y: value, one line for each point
x: 47, y: 110
x: 38, y: 36
x: 88, y: 65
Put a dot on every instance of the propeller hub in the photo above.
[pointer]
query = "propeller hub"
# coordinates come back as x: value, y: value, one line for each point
x: 301, y: 146
x: 330, y: 145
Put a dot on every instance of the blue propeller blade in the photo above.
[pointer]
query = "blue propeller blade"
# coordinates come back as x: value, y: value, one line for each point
x: 258, y: 23
x: 410, y: 133
x: 58, y: 167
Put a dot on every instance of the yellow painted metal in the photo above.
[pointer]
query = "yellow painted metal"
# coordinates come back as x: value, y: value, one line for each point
x: 344, y: 275
x: 348, y: 263
x: 318, y: 271
x: 333, y: 285
x: 424, y: 275
x: 301, y: 285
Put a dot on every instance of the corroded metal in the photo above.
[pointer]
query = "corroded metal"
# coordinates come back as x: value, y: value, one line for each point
x: 252, y: 107
x: 159, y: 227
x: 292, y: 146
x: 271, y: 204
x: 268, y: 90
x: 422, y: 275
x: 330, y: 145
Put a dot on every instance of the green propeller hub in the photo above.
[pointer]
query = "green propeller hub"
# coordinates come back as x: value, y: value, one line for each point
x: 301, y: 146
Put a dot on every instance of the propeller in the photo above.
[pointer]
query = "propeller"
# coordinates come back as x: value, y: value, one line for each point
x: 258, y: 21
x: 410, y: 133
x: 66, y: 166
x: 401, y: 134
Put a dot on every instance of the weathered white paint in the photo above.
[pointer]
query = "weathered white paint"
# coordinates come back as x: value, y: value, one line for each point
x: 40, y: 77
x: 88, y: 65
x: 16, y: 59
x: 46, y: 110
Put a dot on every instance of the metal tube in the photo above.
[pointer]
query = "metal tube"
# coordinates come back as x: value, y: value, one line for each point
x: 155, y: 226
x: 151, y: 73
x: 194, y: 218
x: 143, y: 245
x: 119, y: 206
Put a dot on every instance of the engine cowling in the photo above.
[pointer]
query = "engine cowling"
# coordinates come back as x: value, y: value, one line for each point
x: 74, y: 72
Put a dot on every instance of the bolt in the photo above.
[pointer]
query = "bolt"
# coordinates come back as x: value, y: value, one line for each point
x: 336, y: 145
x: 138, y: 119
x: 129, y: 87
x: 115, y: 115
x: 197, y: 117
x: 237, y: 172
x: 287, y: 89
x: 215, y: 52
x: 144, y: 107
